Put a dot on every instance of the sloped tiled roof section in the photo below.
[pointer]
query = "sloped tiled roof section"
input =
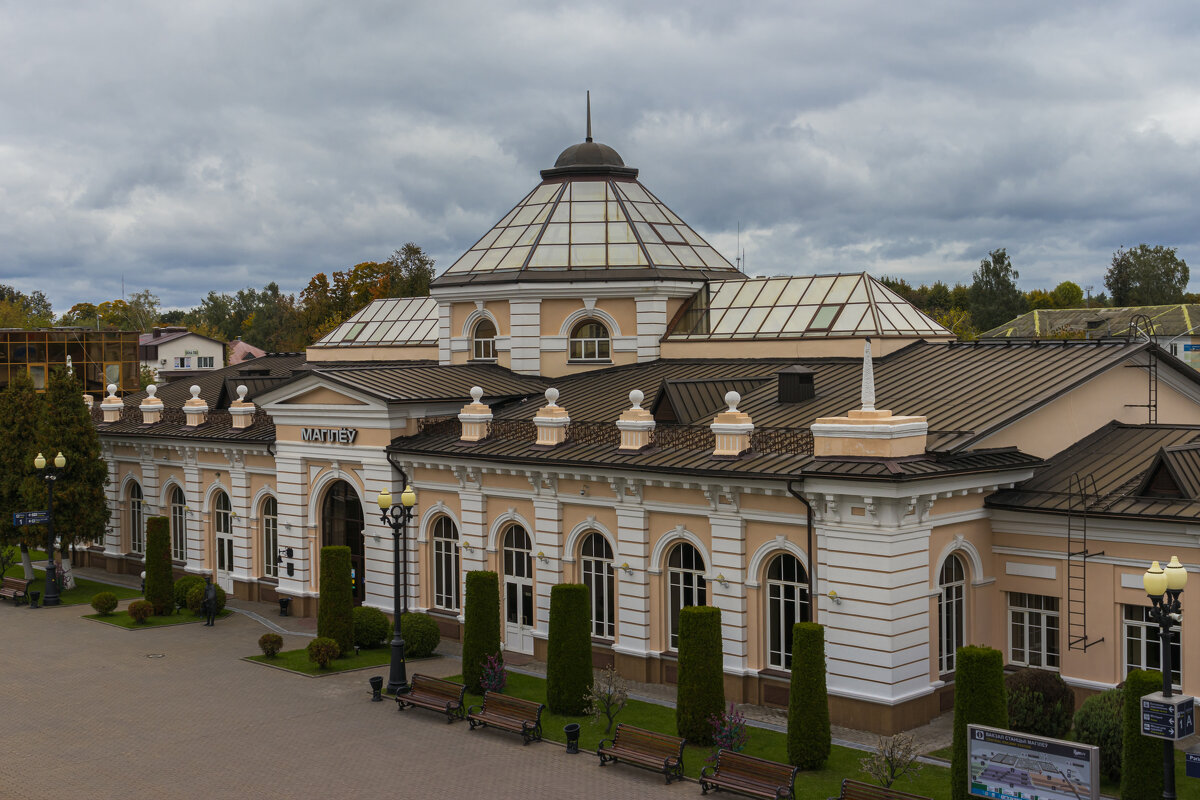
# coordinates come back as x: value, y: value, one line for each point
x: 816, y: 306
x: 391, y: 322
x: 1094, y: 323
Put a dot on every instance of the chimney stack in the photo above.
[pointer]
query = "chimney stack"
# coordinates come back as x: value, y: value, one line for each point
x: 551, y: 421
x: 151, y: 407
x: 195, y: 409
x: 476, y: 418
x: 241, y: 411
x: 733, y: 429
x: 112, y: 406
x: 635, y: 424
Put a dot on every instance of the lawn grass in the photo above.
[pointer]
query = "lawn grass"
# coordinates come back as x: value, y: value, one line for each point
x: 122, y: 619
x: 84, y: 589
x: 297, y: 661
x: 843, y: 762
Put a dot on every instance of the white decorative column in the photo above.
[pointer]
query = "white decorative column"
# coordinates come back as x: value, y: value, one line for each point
x: 548, y: 569
x: 729, y: 559
x: 525, y: 338
x: 651, y: 326
x: 197, y: 553
x: 379, y: 544
x: 633, y: 586
x: 243, y: 527
x: 291, y: 487
x: 473, y: 545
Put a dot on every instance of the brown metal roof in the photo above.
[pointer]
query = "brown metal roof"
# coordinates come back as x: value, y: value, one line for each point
x: 691, y: 402
x: 899, y: 469
x: 414, y: 381
x: 258, y: 375
x: 217, y: 427
x: 1093, y: 323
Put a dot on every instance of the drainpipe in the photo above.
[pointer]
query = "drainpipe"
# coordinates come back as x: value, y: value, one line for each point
x: 395, y: 466
x: 812, y: 553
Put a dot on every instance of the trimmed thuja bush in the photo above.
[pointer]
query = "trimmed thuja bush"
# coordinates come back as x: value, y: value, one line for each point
x: 481, y: 626
x: 371, y: 627
x: 569, y: 650
x: 335, y: 616
x: 323, y: 650
x: 184, y: 586
x: 978, y: 699
x: 1039, y: 702
x: 270, y: 644
x: 104, y: 603
x: 421, y: 635
x: 140, y: 610
x: 809, y: 736
x: 195, y: 599
x: 160, y: 579
x: 700, y: 692
x: 1098, y: 721
x: 1141, y: 756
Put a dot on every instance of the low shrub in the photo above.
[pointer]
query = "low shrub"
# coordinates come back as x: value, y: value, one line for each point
x: 728, y: 732
x: 323, y: 650
x: 421, y: 635
x: 493, y: 677
x: 185, y: 585
x: 1098, y: 722
x: 371, y: 627
x: 104, y: 603
x: 270, y: 644
x: 1039, y: 702
x: 140, y: 610
x: 195, y: 600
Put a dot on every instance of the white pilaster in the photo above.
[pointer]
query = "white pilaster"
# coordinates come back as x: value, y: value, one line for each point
x: 729, y: 558
x: 547, y: 540
x: 525, y: 321
x: 651, y: 326
x: 633, y: 591
x: 197, y: 520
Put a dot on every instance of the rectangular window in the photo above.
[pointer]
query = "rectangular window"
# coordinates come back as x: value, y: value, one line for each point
x: 204, y: 362
x: 183, y: 363
x: 1142, y: 648
x: 1033, y: 630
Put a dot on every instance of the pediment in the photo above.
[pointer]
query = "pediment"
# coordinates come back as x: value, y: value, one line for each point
x: 322, y: 396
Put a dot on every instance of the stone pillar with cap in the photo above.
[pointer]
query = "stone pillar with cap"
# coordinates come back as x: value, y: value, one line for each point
x: 195, y: 409
x: 240, y: 411
x: 88, y: 401
x: 635, y: 424
x: 732, y: 429
x: 112, y: 406
x: 476, y: 417
x: 551, y: 421
x: 151, y: 407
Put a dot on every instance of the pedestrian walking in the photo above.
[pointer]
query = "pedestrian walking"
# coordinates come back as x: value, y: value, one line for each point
x: 210, y: 601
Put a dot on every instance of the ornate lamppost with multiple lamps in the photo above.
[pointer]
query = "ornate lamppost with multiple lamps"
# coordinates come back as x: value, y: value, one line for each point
x: 397, y: 518
x: 1163, y: 587
x: 50, y: 476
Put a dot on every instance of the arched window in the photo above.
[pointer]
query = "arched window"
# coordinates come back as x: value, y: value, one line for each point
x: 445, y: 564
x: 518, y: 579
x: 178, y: 525
x: 685, y: 583
x: 597, y: 563
x: 223, y: 528
x: 590, y: 342
x: 483, y: 341
x: 787, y: 604
x: 952, y: 582
x: 270, y: 534
x: 137, y: 530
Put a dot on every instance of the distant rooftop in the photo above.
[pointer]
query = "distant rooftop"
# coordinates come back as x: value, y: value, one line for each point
x: 392, y: 322
x: 1093, y: 323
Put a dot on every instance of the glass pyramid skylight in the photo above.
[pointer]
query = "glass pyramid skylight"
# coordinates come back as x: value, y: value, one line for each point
x: 587, y: 223
x: 391, y: 322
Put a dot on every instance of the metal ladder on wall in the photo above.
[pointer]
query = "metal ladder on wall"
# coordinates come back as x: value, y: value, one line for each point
x: 1141, y: 325
x: 1082, y: 494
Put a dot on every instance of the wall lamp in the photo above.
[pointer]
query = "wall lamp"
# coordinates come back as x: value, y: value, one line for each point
x: 542, y: 557
x: 286, y: 552
x: 468, y: 547
x: 834, y: 597
x: 721, y: 580
x: 628, y: 570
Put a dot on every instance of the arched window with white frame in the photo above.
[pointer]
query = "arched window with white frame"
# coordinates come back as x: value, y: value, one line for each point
x: 596, y: 561
x: 589, y: 341
x: 787, y: 604
x: 483, y: 341
x: 685, y: 585
x: 269, y: 519
x: 178, y: 524
x: 445, y: 564
x: 137, y: 520
x: 952, y: 585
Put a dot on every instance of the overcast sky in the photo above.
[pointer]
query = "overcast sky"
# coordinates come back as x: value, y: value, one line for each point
x: 190, y: 146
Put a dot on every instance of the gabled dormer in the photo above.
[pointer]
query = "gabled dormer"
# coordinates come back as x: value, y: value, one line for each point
x: 1174, y: 474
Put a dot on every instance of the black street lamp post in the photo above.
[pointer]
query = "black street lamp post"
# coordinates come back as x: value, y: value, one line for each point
x: 50, y: 476
x: 1163, y: 587
x: 397, y: 518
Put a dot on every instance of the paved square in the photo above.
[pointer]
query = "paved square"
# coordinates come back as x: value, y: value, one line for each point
x: 87, y: 713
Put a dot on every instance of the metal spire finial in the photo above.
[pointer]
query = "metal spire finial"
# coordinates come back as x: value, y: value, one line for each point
x: 868, y: 379
x: 589, y: 116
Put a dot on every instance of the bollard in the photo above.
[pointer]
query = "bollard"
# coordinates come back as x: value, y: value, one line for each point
x: 284, y: 602
x: 376, y: 688
x: 572, y: 732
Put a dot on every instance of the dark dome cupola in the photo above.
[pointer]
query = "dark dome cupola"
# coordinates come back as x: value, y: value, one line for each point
x: 589, y: 158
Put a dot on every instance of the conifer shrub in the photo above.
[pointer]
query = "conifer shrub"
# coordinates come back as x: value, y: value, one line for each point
x: 104, y: 603
x: 979, y: 699
x: 1141, y: 756
x: 1039, y: 702
x: 184, y: 586
x: 335, y: 615
x: 160, y: 579
x: 700, y: 692
x: 421, y: 635
x: 809, y: 738
x: 481, y: 626
x: 140, y: 611
x: 195, y: 599
x: 569, y: 650
x: 323, y: 650
x: 371, y: 627
x: 1099, y: 721
x: 270, y: 644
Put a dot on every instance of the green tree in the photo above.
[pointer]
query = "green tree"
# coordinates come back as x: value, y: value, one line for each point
x: 569, y: 650
x: 335, y: 612
x: 160, y: 577
x: 1067, y: 295
x: 809, y: 737
x: 22, y: 409
x: 20, y: 310
x: 979, y: 699
x: 700, y: 691
x: 993, y: 296
x: 481, y: 626
x: 1146, y: 276
x: 1141, y: 756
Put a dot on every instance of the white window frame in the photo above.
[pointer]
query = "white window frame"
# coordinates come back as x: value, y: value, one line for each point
x: 781, y: 595
x: 204, y: 362
x: 178, y: 524
x: 1035, y: 618
x: 183, y: 362
x: 686, y: 586
x: 1140, y: 634
x: 483, y: 348
x: 589, y: 348
x: 270, y: 534
x: 952, y: 612
x: 137, y: 520
x: 446, y: 568
x: 596, y: 568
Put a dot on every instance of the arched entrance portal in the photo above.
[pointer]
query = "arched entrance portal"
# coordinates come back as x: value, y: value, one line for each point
x: 342, y: 525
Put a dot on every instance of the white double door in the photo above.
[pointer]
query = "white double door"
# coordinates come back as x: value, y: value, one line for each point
x: 224, y: 570
x: 518, y: 591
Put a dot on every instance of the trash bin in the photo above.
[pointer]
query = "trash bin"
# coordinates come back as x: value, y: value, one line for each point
x: 572, y: 732
x: 376, y: 688
x: 33, y: 599
x: 284, y: 602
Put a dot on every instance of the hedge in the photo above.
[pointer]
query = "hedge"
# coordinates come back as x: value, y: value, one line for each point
x: 195, y: 599
x: 700, y: 692
x: 569, y: 650
x: 335, y: 614
x: 323, y: 650
x: 979, y: 699
x: 809, y: 738
x: 160, y: 577
x: 421, y: 635
x: 1098, y: 721
x: 1039, y: 702
x: 481, y: 626
x: 371, y: 627
x: 185, y: 585
x: 104, y: 603
x: 1141, y: 756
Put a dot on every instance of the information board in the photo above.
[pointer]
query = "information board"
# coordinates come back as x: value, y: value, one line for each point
x: 1168, y: 717
x: 1008, y: 765
x: 22, y: 518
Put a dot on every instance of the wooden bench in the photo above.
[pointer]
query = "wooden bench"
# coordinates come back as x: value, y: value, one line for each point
x: 749, y: 775
x: 434, y: 693
x: 857, y: 790
x: 15, y: 589
x: 510, y: 714
x: 639, y: 746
